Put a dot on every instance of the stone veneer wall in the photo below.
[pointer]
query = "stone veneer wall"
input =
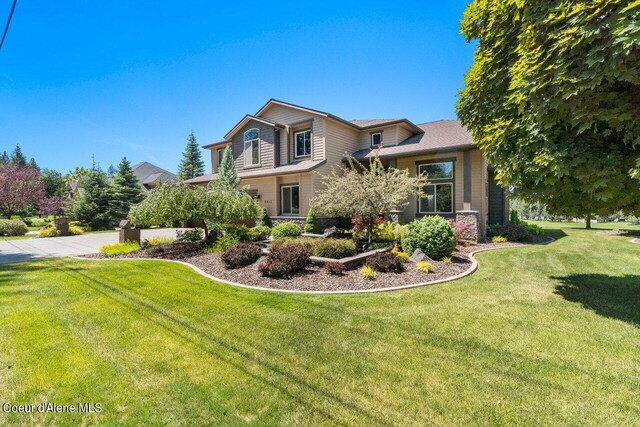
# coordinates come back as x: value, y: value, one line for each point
x: 469, y: 218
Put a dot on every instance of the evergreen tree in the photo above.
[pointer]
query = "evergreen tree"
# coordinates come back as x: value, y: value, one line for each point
x: 33, y: 165
x: 4, y: 158
x: 111, y: 171
x: 227, y: 171
x: 310, y: 224
x: 17, y: 158
x: 91, y: 208
x: 191, y: 164
x: 125, y: 190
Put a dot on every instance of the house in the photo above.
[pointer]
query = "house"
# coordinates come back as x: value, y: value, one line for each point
x: 281, y: 151
x: 149, y: 175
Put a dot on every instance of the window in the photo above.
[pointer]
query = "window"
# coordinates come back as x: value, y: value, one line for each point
x: 252, y: 147
x: 376, y: 139
x: 220, y: 153
x: 440, y: 191
x: 290, y: 199
x: 303, y: 143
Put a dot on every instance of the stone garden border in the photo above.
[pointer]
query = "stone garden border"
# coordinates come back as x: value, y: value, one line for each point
x: 472, y: 269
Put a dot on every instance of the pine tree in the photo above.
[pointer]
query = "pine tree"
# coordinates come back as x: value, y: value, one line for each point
x: 91, y: 208
x: 17, y: 158
x: 191, y: 164
x: 111, y: 171
x: 4, y: 158
x: 227, y: 171
x: 33, y: 165
x: 125, y: 191
x: 310, y: 224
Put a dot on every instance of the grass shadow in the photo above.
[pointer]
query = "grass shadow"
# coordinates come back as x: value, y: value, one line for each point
x: 555, y: 233
x: 616, y: 297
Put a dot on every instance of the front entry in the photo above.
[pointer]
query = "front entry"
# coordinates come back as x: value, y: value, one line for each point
x: 496, y: 201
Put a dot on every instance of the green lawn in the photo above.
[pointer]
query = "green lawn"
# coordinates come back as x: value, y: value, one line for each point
x: 544, y: 335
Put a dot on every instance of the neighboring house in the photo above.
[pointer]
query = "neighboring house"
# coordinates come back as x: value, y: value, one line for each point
x: 149, y: 176
x: 278, y: 151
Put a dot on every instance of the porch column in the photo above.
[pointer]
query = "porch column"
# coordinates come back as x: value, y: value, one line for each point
x: 466, y: 175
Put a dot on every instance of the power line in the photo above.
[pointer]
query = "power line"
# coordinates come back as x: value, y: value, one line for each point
x: 6, y: 28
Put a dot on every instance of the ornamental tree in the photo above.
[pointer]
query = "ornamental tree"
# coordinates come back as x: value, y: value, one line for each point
x: 20, y: 188
x: 552, y: 99
x: 53, y: 205
x: 173, y: 202
x: 367, y: 191
x: 191, y: 164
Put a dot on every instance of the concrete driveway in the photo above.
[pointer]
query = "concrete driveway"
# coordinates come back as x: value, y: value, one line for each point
x: 27, y: 249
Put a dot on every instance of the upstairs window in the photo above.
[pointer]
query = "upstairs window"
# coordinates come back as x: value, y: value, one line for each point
x: 376, y: 139
x: 439, y: 191
x: 252, y: 147
x: 303, y: 143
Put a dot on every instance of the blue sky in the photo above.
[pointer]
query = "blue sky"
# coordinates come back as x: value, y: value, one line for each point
x: 115, y: 78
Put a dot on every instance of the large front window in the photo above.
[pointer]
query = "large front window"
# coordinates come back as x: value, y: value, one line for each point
x: 290, y: 199
x: 440, y: 189
x: 303, y: 143
x: 252, y: 147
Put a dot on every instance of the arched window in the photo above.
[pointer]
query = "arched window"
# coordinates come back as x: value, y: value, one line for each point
x: 252, y: 147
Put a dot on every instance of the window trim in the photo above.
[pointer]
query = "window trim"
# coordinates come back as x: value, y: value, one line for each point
x: 295, y: 143
x: 220, y: 154
x: 439, y: 181
x: 244, y: 152
x: 282, y: 187
x: 371, y: 140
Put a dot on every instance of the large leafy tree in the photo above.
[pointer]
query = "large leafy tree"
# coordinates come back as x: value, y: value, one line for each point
x: 92, y: 207
x: 125, y: 190
x: 552, y: 99
x: 191, y: 164
x: 367, y: 191
x: 54, y: 182
x: 20, y: 189
x: 214, y: 204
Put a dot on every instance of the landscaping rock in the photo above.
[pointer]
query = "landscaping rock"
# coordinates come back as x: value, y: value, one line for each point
x: 418, y: 256
x: 331, y: 232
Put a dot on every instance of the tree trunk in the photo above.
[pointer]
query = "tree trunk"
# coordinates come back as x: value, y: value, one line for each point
x: 206, y: 230
x: 589, y: 222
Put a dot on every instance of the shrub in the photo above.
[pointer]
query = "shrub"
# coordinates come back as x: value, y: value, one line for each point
x: 384, y: 262
x: 49, y: 230
x: 513, y: 232
x: 285, y: 259
x: 36, y: 222
x: 334, y: 268
x: 259, y: 232
x: 461, y: 229
x: 310, y: 224
x: 499, y: 239
x: 513, y: 217
x: 193, y: 235
x: 223, y: 243
x: 424, y: 266
x: 74, y: 230
x: 286, y: 229
x: 13, y: 227
x: 306, y: 242
x: 17, y: 217
x: 404, y: 257
x: 116, y: 249
x: 432, y: 234
x: 238, y: 231
x: 157, y: 241
x: 533, y: 228
x: 240, y: 255
x: 368, y: 273
x: 446, y: 260
x: 385, y: 231
x: 263, y: 218
x: 334, y: 248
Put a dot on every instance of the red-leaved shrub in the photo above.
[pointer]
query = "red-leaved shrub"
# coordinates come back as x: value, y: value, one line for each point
x: 285, y: 259
x: 384, y: 262
x: 461, y: 229
x: 360, y: 223
x: 240, y: 255
x: 334, y: 268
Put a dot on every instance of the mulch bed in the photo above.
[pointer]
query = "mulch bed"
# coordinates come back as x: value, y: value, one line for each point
x: 314, y: 278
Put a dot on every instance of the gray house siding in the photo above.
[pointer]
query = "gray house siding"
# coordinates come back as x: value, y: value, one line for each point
x: 267, y: 146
